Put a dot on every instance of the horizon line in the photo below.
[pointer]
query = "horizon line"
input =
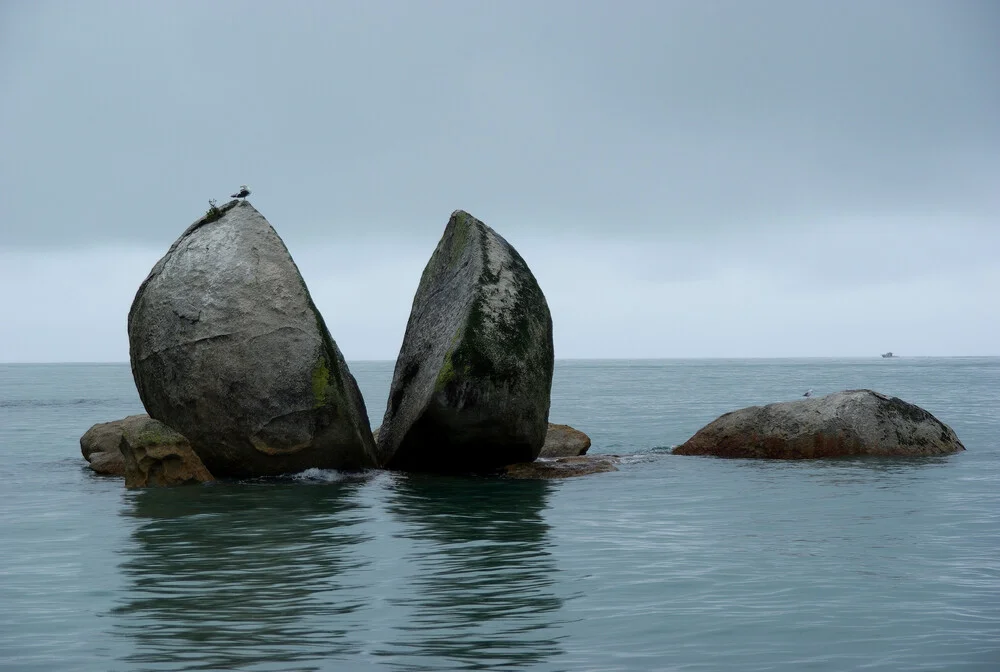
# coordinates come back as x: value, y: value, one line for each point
x: 576, y: 359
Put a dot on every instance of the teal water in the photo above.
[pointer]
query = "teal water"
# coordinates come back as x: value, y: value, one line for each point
x: 672, y: 563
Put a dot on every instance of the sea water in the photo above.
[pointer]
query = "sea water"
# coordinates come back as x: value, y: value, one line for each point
x: 671, y: 563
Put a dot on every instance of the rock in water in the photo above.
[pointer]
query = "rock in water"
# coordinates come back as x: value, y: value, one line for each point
x: 471, y: 387
x: 564, y: 441
x: 853, y: 422
x: 157, y: 456
x: 563, y: 467
x: 228, y: 349
x: 99, y: 445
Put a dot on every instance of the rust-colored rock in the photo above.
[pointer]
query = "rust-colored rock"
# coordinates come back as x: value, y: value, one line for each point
x: 843, y: 424
x: 564, y: 441
x: 156, y: 456
x: 563, y: 467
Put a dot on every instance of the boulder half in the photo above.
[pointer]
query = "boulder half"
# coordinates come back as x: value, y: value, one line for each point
x: 228, y: 348
x: 471, y: 387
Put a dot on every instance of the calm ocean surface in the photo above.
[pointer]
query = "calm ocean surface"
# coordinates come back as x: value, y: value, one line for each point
x: 672, y: 563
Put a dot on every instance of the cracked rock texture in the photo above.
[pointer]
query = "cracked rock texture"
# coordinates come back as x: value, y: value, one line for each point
x: 853, y: 422
x: 473, y: 378
x: 227, y: 348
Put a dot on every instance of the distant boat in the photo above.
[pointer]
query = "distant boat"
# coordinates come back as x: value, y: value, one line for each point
x: 887, y: 355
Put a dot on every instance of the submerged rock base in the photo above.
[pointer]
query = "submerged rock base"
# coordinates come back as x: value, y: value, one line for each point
x: 563, y: 467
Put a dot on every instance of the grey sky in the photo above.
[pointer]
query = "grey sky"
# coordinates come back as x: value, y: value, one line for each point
x: 685, y: 178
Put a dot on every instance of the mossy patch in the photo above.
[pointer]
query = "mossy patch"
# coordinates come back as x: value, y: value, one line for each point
x: 502, y: 349
x: 459, y: 239
x: 320, y: 382
x: 448, y: 373
x: 154, y: 434
x: 213, y: 212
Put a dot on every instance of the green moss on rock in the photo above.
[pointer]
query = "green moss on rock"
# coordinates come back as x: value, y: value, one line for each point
x: 320, y: 382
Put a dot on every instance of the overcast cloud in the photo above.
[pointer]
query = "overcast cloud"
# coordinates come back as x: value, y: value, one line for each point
x: 782, y: 178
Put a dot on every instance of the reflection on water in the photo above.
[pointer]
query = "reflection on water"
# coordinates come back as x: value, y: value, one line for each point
x: 875, y: 471
x: 482, y: 596
x: 227, y: 576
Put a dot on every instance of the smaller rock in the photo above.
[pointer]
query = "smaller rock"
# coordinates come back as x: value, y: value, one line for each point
x: 99, y: 445
x: 563, y: 467
x: 843, y: 424
x: 157, y: 456
x: 564, y: 441
x: 108, y: 463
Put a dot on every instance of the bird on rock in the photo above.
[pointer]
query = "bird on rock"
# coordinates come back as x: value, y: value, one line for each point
x: 242, y: 193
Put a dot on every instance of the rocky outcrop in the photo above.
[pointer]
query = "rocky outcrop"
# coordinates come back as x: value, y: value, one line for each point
x: 564, y: 441
x: 100, y: 443
x: 854, y: 422
x: 563, y: 467
x: 157, y: 456
x: 471, y: 386
x: 228, y: 348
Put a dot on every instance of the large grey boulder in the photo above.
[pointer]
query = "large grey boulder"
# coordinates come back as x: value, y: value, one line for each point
x: 853, y: 422
x: 228, y: 349
x: 472, y: 382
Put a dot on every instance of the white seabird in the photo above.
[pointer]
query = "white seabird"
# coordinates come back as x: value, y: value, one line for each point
x: 808, y: 393
x: 242, y: 193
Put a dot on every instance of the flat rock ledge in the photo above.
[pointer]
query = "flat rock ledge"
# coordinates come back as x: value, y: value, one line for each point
x: 563, y: 467
x: 843, y: 424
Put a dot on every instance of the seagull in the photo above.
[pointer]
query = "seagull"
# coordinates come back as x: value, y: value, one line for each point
x: 242, y: 193
x: 808, y: 393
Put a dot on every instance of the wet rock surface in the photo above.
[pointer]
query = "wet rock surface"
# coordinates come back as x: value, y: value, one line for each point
x: 563, y: 467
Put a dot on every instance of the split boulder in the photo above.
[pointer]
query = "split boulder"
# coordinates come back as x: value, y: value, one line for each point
x: 472, y: 382
x: 228, y: 348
